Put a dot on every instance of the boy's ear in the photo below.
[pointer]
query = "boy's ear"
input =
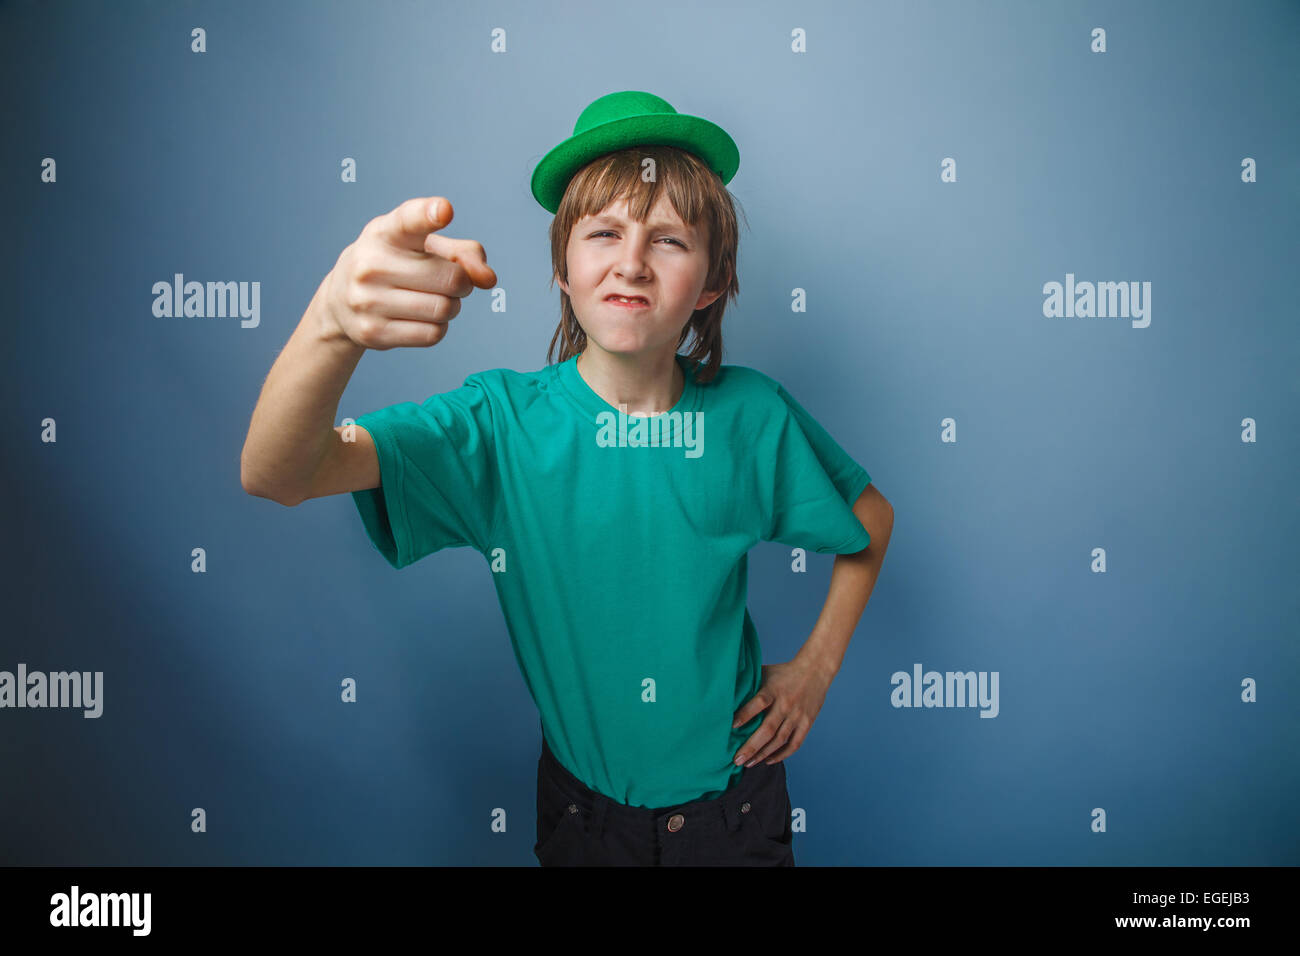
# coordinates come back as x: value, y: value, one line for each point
x: 707, y: 299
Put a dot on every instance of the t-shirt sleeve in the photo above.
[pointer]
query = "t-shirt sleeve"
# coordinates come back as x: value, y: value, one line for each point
x: 439, y: 482
x: 815, y: 487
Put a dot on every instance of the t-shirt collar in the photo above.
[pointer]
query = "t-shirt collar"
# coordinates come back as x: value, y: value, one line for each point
x: 591, y: 403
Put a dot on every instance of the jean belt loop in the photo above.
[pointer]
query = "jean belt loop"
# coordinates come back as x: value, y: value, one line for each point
x: 598, y: 816
x: 731, y: 812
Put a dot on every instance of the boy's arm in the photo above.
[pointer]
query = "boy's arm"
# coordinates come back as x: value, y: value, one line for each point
x: 793, y: 696
x: 853, y: 578
x: 389, y: 289
x: 292, y: 430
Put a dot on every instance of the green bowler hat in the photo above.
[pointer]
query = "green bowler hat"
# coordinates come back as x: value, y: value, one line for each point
x: 630, y: 118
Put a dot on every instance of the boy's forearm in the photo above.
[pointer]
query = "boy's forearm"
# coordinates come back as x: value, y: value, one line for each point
x: 853, y: 578
x: 293, y: 423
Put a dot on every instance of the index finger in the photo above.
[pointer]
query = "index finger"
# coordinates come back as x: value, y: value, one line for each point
x: 411, y: 223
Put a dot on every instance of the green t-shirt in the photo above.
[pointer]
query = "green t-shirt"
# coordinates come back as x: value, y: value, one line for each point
x: 621, y: 566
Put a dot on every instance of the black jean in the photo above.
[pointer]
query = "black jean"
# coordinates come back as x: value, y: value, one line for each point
x: 748, y: 825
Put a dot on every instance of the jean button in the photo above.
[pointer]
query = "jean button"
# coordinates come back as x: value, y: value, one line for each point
x: 573, y: 808
x: 675, y: 822
x: 744, y: 807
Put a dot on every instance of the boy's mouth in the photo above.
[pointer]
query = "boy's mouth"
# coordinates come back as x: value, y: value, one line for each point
x: 628, y: 302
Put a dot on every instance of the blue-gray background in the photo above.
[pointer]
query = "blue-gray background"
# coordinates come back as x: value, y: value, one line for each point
x: 1118, y: 690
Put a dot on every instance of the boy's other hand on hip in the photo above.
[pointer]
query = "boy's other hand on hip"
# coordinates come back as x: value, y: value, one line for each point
x: 792, y: 694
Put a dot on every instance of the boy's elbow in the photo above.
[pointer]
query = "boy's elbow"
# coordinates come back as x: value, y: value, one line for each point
x: 251, y: 486
x: 278, y: 499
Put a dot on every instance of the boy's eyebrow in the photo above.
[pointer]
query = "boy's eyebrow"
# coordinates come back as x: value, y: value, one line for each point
x: 658, y: 224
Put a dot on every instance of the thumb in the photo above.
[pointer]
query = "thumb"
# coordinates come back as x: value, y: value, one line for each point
x: 475, y: 263
x: 468, y: 253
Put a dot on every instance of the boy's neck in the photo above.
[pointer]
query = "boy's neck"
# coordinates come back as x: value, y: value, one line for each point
x: 647, y: 386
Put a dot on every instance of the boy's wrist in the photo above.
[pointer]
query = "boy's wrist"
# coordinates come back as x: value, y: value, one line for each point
x: 819, y: 662
x: 325, y: 326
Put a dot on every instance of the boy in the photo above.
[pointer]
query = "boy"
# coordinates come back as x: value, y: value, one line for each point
x: 615, y: 494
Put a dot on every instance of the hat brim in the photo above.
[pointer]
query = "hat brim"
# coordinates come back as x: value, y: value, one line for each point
x: 693, y: 133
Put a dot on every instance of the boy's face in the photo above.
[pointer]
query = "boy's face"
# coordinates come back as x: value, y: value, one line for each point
x: 661, y: 259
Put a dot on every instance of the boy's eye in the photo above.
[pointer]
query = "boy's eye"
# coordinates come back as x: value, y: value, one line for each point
x: 606, y: 232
